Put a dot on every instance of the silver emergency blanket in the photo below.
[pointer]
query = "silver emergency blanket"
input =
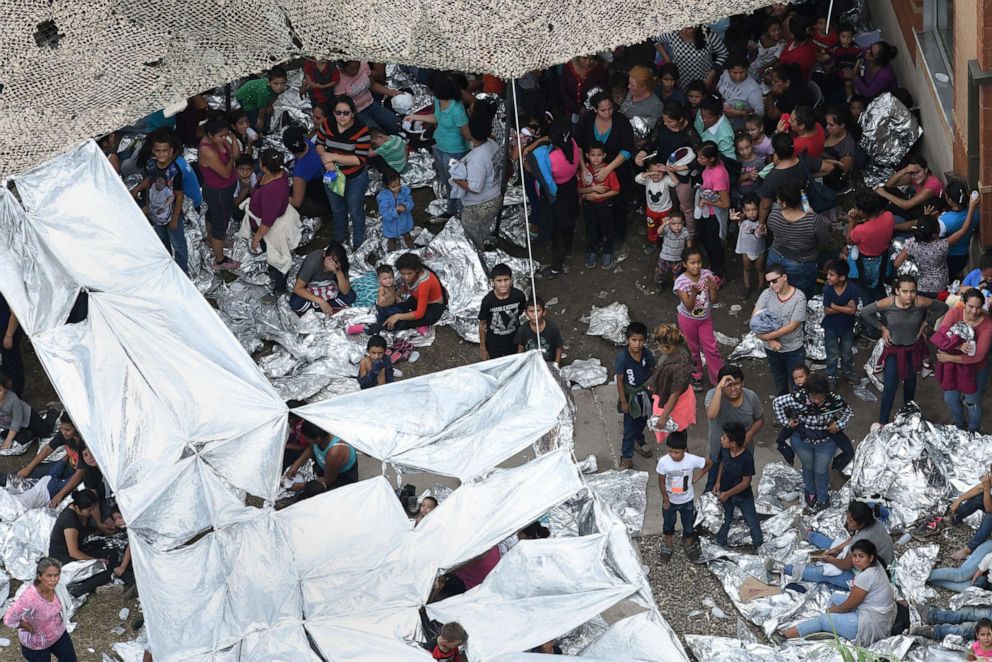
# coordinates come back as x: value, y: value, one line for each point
x: 909, y: 266
x: 750, y: 347
x: 585, y: 373
x: 609, y: 322
x: 626, y: 492
x: 910, y: 571
x: 813, y: 332
x: 888, y: 131
x: 780, y: 484
x: 725, y: 649
x: 872, y: 367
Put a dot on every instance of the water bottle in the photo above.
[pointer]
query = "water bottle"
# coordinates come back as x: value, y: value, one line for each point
x: 806, y: 206
x: 330, y: 177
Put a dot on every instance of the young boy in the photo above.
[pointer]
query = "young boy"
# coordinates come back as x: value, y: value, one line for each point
x: 448, y: 643
x: 657, y: 181
x: 165, y: 179
x: 396, y: 209
x: 750, y: 241
x: 390, y: 149
x: 499, y: 315
x: 674, y: 239
x: 733, y: 483
x: 247, y: 181
x: 597, y: 206
x: 840, y: 306
x: 537, y: 326
x: 257, y: 97
x: 799, y: 376
x: 677, y: 472
x: 845, y: 55
x: 634, y: 366
x: 375, y: 367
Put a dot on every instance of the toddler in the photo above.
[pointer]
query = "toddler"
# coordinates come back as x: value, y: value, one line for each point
x: 386, y: 299
x: 375, y: 367
x: 761, y: 143
x: 396, y: 208
x: 657, y: 180
x: 674, y: 239
x: 750, y: 241
x: 677, y: 472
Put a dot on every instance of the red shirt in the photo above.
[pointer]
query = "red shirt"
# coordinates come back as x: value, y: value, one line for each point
x: 873, y: 237
x: 330, y: 74
x: 811, y: 145
x: 804, y: 55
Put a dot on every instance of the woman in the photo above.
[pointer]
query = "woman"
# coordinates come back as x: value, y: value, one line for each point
x: 711, y: 124
x: 870, y: 229
x: 801, y: 49
x: 321, y: 77
x: 807, y: 134
x: 674, y: 132
x: 37, y: 615
x: 712, y: 203
x: 476, y: 181
x: 698, y: 53
x: 66, y: 542
x: 668, y: 84
x: 335, y: 461
x: 310, y: 197
x: 614, y: 131
x: 784, y: 346
x: 671, y: 387
x: 426, y: 302
x: 641, y: 101
x: 323, y: 282
x: 274, y: 224
x: 879, y: 76
x: 741, y: 93
x: 962, y: 367
x: 451, y: 132
x: 930, y: 251
x: 343, y: 146
x: 217, y: 154
x: 867, y: 613
x: 840, y: 148
x: 915, y: 173
x: 956, y: 197
x: 18, y: 422
x: 556, y: 161
x: 862, y: 525
x: 901, y: 319
x: 580, y: 75
x: 357, y: 83
x: 787, y: 90
x: 797, y: 237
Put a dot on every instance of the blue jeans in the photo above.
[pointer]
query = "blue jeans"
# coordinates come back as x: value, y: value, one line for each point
x: 378, y: 116
x: 668, y: 516
x: 838, y: 348
x: 782, y: 364
x: 973, y: 505
x: 352, y: 204
x: 815, y: 460
x: 441, y: 165
x: 745, y: 503
x: 972, y: 402
x: 890, y: 384
x: 843, y: 625
x: 62, y: 649
x: 814, y: 573
x: 633, y: 433
x: 802, y: 275
x: 961, y: 622
x: 958, y: 579
x: 175, y: 242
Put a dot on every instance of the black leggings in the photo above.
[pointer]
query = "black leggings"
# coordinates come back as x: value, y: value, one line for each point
x: 99, y: 548
x: 431, y: 317
x: 708, y: 231
x: 220, y: 207
x: 37, y: 428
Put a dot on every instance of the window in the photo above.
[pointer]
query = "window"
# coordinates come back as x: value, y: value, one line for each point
x: 937, y: 47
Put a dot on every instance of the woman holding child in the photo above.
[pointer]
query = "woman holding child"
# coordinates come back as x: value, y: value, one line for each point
x: 426, y: 302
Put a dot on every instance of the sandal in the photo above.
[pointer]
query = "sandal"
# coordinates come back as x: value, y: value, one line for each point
x: 694, y: 552
x: 932, y: 526
x: 665, y: 554
x: 400, y: 350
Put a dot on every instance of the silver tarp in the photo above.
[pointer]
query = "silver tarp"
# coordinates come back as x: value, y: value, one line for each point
x: 888, y: 131
x: 609, y: 322
x: 585, y: 373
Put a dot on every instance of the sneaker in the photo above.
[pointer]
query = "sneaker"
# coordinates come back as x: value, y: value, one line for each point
x: 626, y: 463
x: 607, y: 262
x: 932, y: 526
x: 852, y: 378
x: 644, y: 450
x: 549, y: 273
x: 665, y: 554
x: 820, y: 506
x: 922, y: 631
x: 773, y: 566
x: 819, y: 636
x: 697, y: 385
x: 590, y: 260
x: 694, y: 552
x: 355, y: 329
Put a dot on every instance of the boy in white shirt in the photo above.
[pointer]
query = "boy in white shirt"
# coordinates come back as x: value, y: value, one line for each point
x: 657, y: 181
x: 677, y: 471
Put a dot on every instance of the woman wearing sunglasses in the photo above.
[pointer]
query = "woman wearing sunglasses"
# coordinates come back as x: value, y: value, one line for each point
x: 343, y: 144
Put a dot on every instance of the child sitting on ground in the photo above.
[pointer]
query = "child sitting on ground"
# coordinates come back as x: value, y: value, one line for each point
x: 750, y: 241
x: 396, y: 208
x: 733, y: 484
x: 658, y: 181
x: 677, y: 472
x: 391, y: 149
x: 539, y: 327
x: 499, y: 315
x: 982, y: 648
x: 375, y: 367
x: 675, y: 239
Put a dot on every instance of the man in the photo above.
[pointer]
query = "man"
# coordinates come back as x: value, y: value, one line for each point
x: 788, y: 168
x: 730, y: 402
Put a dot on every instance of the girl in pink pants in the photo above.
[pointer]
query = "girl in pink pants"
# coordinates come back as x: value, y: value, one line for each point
x: 697, y: 291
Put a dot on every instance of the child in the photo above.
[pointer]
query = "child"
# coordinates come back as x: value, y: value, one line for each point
x: 257, y: 97
x: 633, y: 368
x: 982, y: 648
x: 674, y: 239
x: 499, y: 315
x: 799, y: 376
x: 677, y: 471
x: 857, y: 105
x: 597, y: 207
x: 733, y: 483
x: 761, y: 143
x: 375, y: 367
x: 538, y: 327
x: 657, y: 181
x: 448, y: 642
x: 840, y: 306
x: 751, y: 163
x: 396, y: 208
x: 697, y: 291
x: 247, y: 181
x: 391, y: 149
x: 427, y: 505
x: 768, y: 48
x: 243, y: 133
x: 695, y: 92
x: 750, y: 241
x: 845, y: 57
x: 163, y: 174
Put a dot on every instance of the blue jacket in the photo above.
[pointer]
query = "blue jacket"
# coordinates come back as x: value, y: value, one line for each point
x: 395, y: 224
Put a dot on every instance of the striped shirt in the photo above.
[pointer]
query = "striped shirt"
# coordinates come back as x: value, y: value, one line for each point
x: 814, y: 419
x: 353, y: 141
x: 693, y: 63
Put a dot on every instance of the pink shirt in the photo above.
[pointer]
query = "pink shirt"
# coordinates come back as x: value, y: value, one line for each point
x: 561, y: 169
x: 715, y: 178
x: 931, y: 183
x: 475, y: 572
x: 980, y: 652
x: 44, y: 616
x: 358, y: 87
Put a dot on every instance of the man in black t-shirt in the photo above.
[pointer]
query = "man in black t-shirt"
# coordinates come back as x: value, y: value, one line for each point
x: 788, y: 168
x: 499, y: 315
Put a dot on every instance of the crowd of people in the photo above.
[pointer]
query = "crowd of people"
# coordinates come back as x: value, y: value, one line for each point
x: 740, y: 138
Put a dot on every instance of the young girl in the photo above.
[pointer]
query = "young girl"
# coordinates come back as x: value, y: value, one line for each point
x: 657, y: 181
x: 752, y: 163
x: 761, y: 143
x: 697, y: 291
x: 396, y: 208
x: 674, y: 238
x: 750, y: 241
x: 982, y: 648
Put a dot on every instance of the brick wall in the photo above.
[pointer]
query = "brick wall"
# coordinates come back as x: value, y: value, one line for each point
x: 909, y: 13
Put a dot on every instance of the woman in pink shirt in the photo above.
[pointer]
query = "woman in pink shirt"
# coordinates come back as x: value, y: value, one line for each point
x: 915, y: 173
x: 356, y: 82
x: 712, y: 203
x: 37, y: 615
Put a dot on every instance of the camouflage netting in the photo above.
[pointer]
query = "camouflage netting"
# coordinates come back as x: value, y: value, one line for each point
x: 73, y: 70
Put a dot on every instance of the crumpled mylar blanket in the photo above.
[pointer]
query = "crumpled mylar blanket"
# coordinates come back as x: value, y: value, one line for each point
x: 888, y: 131
x: 585, y: 373
x: 610, y: 323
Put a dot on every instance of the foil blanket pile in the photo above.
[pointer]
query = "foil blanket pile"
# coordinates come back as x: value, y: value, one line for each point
x: 186, y: 428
